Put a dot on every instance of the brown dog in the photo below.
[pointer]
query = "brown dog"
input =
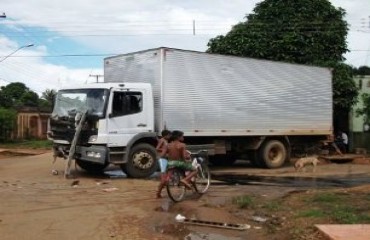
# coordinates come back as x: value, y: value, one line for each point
x: 302, y: 162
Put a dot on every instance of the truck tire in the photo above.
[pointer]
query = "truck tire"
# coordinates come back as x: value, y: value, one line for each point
x: 142, y: 161
x: 91, y: 167
x: 273, y: 154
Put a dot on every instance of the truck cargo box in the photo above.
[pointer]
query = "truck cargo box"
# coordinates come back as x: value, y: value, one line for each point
x: 206, y: 94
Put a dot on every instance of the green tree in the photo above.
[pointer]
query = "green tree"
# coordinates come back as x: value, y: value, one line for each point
x: 18, y: 95
x: 47, y: 100
x: 49, y: 95
x: 363, y: 70
x: 7, y: 123
x: 29, y: 99
x: 365, y: 110
x: 309, y: 32
x: 305, y: 31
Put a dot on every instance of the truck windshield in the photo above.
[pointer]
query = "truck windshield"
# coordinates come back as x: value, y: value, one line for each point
x: 77, y: 100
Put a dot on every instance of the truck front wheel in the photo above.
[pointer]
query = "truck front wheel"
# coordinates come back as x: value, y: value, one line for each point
x: 141, y: 162
x: 273, y: 154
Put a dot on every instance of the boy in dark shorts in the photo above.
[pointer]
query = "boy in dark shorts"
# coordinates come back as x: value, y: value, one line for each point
x: 162, y: 152
x: 180, y: 158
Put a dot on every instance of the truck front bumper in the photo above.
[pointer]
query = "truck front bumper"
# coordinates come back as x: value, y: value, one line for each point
x: 95, y: 154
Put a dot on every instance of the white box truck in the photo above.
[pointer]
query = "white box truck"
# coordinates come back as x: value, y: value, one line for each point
x: 231, y: 106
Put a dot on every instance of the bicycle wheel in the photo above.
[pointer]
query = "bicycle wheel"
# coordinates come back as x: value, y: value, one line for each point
x: 175, y: 190
x: 203, y: 179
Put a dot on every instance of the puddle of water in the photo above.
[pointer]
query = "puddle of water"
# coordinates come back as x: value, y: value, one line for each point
x: 115, y: 174
x: 166, y: 205
x: 155, y: 175
x: 208, y: 236
x: 118, y: 173
x: 346, y: 181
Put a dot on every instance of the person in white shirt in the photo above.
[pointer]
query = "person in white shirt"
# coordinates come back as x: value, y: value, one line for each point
x: 342, y: 141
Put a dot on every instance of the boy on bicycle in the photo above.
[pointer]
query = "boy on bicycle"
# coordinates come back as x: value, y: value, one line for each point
x: 178, y: 157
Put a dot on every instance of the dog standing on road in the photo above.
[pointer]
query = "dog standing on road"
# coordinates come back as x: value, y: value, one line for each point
x: 302, y: 162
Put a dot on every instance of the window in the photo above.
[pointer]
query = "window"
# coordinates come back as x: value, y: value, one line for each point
x: 125, y: 103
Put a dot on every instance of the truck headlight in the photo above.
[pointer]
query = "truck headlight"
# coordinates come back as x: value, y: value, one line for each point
x: 93, y: 138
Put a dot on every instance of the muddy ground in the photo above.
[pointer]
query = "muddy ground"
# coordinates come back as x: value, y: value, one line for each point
x: 35, y: 204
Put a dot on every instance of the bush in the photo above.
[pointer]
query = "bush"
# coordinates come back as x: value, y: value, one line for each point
x: 7, y: 123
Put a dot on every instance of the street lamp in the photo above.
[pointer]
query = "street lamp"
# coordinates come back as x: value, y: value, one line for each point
x: 25, y: 46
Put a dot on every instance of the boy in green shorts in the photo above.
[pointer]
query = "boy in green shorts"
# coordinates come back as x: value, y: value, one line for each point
x: 180, y: 158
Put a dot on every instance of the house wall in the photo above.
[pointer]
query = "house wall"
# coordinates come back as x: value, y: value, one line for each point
x: 31, y: 125
x: 359, y: 132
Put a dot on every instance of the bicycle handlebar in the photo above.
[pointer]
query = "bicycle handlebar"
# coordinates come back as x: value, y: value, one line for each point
x: 199, y: 153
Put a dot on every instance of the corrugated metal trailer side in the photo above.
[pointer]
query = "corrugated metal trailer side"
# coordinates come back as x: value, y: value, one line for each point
x: 214, y: 95
x: 144, y: 66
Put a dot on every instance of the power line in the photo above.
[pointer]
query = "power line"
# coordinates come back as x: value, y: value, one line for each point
x: 113, y: 54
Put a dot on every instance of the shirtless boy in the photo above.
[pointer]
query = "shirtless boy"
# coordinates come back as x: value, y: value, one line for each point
x: 179, y: 157
x: 162, y: 152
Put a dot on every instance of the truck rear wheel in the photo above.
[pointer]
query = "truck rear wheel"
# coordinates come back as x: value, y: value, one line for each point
x: 273, y: 154
x: 141, y: 161
x: 91, y: 167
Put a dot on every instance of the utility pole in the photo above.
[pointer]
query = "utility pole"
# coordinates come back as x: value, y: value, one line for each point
x: 193, y: 27
x: 97, y: 76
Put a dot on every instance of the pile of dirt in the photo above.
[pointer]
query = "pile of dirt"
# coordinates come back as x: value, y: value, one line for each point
x: 6, y: 153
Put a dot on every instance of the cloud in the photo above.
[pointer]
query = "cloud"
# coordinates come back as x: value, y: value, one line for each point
x: 93, y: 26
x: 32, y: 70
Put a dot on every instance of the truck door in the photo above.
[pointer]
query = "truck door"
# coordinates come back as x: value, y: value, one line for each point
x: 128, y: 116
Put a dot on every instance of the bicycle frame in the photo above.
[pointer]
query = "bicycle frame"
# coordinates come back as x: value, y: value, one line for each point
x: 173, y: 181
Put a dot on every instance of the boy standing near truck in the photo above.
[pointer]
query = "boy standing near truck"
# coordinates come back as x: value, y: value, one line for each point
x: 162, y: 152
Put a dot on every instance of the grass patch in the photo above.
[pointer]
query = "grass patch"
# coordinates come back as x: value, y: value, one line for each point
x: 345, y: 215
x: 272, y: 206
x: 243, y: 201
x: 338, y: 207
x: 312, y: 213
x: 296, y: 233
x: 30, y: 144
x: 349, y: 215
x: 325, y: 198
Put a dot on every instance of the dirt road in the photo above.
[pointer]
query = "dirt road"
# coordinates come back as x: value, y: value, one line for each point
x: 38, y: 205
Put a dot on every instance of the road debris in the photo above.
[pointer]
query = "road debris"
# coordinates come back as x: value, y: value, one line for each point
x: 258, y: 219
x: 111, y: 189
x: 102, y: 183
x: 75, y: 183
x: 182, y: 219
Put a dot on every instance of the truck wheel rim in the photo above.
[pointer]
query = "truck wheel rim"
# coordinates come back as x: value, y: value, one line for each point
x: 275, y: 154
x: 142, y: 160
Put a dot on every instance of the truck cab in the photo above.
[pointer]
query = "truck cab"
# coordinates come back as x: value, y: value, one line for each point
x: 119, y: 126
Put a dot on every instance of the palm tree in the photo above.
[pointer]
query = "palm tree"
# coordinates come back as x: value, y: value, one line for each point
x: 49, y: 95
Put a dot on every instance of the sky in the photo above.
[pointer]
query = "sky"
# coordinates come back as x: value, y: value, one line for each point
x: 71, y: 37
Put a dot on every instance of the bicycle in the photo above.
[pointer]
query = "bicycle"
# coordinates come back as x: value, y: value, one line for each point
x: 200, y: 184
